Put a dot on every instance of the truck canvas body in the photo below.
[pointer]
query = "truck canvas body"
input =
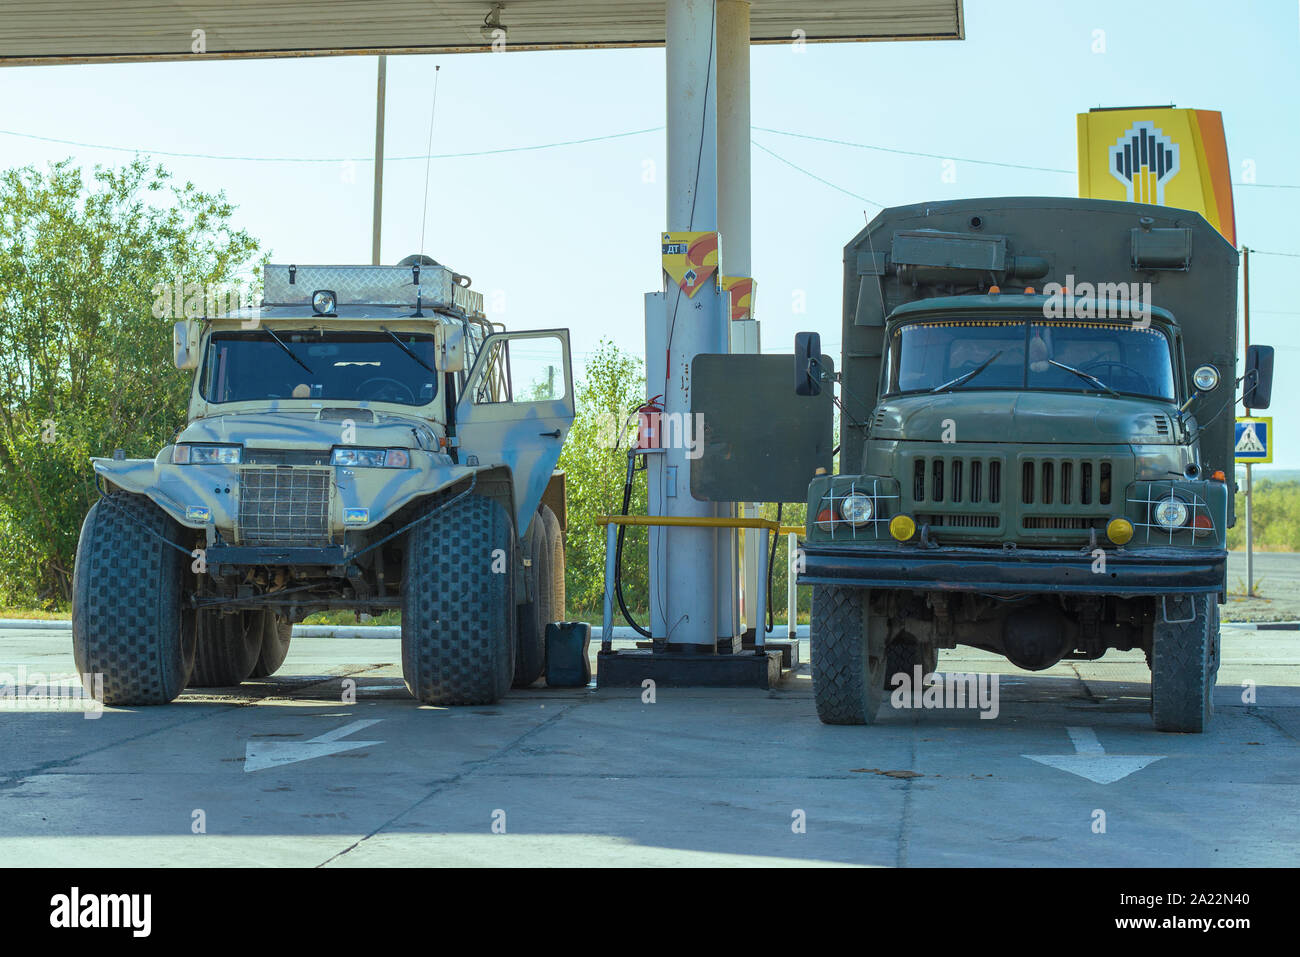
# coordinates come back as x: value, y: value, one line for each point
x: 1036, y: 446
x: 365, y: 439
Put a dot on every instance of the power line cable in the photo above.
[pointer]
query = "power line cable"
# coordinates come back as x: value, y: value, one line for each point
x: 562, y: 143
x: 967, y: 159
x: 901, y: 152
x: 825, y: 182
x: 332, y: 159
x: 594, y: 139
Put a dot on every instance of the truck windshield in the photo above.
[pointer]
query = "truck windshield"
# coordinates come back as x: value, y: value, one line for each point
x: 349, y: 366
x: 1041, y: 355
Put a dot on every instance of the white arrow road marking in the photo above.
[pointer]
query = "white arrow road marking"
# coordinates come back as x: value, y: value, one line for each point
x: 259, y: 755
x: 1091, y: 761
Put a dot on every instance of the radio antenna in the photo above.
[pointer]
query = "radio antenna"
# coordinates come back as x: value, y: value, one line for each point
x: 428, y: 157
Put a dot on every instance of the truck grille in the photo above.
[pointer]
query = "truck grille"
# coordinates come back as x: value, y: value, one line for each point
x: 958, y: 520
x: 284, y: 506
x: 1063, y: 522
x: 1060, y: 481
x: 956, y: 479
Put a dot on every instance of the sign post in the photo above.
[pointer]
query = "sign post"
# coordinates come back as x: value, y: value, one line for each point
x: 1254, y: 443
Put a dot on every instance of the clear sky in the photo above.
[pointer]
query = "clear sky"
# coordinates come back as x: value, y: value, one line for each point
x: 568, y: 236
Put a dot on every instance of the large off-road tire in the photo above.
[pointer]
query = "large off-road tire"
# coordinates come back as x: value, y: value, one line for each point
x: 1184, y: 666
x: 848, y: 655
x: 228, y: 648
x: 555, y: 535
x: 530, y: 656
x: 276, y: 634
x: 458, y: 613
x: 902, y: 656
x: 131, y: 622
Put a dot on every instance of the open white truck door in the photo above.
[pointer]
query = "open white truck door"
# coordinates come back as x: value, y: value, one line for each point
x: 516, y: 409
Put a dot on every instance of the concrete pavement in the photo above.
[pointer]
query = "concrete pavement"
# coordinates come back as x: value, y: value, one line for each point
x: 586, y: 777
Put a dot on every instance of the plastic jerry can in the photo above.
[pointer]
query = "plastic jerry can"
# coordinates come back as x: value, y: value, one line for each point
x: 567, y: 664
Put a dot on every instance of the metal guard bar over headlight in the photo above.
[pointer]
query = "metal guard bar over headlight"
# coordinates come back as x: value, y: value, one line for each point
x: 1187, y: 512
x: 855, y: 507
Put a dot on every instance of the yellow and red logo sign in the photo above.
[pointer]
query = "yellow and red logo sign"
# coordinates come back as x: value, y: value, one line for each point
x: 742, y: 296
x: 1159, y: 155
x: 690, y: 259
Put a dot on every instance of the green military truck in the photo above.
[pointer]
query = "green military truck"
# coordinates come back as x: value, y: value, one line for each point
x: 1036, y: 459
x: 365, y: 439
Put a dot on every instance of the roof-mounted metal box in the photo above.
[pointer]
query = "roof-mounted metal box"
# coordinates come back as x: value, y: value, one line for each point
x: 929, y: 255
x: 429, y: 286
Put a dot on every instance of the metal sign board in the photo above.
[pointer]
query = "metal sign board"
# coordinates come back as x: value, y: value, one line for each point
x: 757, y: 440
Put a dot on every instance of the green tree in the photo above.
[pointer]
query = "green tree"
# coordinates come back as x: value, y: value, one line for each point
x: 594, y: 461
x: 85, y: 367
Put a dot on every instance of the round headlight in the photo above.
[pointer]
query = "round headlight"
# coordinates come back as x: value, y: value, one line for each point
x: 1171, y: 512
x: 1206, y: 378
x: 856, y: 508
x: 323, y: 302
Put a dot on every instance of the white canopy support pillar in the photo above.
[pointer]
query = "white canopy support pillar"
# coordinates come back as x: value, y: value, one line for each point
x: 735, y: 201
x: 734, y: 188
x: 684, y: 562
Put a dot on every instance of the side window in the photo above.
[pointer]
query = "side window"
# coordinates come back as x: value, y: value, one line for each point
x: 527, y: 369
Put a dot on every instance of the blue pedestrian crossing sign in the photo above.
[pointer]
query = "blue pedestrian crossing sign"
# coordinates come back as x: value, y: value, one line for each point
x: 1254, y: 440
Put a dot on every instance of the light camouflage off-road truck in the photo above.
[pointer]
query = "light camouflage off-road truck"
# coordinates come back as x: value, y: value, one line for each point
x: 364, y: 440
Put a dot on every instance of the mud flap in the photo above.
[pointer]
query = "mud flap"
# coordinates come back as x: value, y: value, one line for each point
x: 1179, y: 611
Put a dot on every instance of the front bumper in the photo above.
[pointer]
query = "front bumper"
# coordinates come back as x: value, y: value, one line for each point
x: 1150, y: 571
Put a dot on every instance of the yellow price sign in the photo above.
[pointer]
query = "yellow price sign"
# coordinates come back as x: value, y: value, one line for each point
x: 690, y: 259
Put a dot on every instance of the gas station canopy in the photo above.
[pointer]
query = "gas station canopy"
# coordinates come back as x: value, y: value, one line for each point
x: 72, y: 31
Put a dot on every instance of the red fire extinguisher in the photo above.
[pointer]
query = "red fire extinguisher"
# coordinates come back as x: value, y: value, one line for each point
x: 647, y: 423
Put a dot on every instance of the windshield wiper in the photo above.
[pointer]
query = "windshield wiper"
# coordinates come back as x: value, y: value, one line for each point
x: 289, y: 352
x: 967, y: 376
x: 1083, y: 375
x: 407, y: 349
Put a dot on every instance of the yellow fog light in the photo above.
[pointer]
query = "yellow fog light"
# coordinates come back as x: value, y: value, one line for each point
x: 902, y: 527
x: 1119, y: 530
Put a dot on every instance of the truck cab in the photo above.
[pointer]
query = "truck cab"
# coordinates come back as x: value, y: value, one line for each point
x: 1035, y: 447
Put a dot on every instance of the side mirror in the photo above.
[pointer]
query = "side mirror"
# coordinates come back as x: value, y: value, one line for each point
x: 807, y: 363
x: 1258, y: 388
x: 449, y: 351
x: 186, y: 338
